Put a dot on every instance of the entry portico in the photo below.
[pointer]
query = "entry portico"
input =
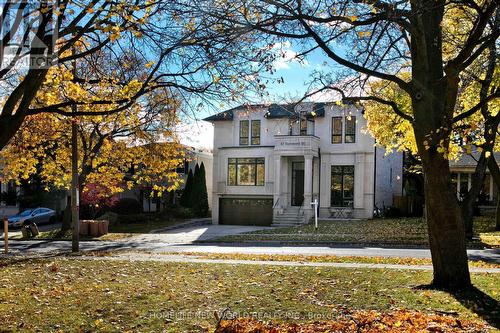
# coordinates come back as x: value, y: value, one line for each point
x: 296, y: 160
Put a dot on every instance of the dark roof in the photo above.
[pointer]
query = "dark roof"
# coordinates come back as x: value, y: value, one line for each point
x: 470, y: 160
x: 226, y: 115
x: 274, y: 111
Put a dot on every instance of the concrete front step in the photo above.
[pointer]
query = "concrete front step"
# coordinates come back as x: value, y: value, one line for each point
x: 298, y: 219
x: 280, y: 221
x: 290, y: 217
x: 277, y: 224
x: 292, y: 214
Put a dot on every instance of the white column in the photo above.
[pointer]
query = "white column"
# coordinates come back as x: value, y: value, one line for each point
x: 277, y: 182
x: 359, y: 181
x: 308, y: 177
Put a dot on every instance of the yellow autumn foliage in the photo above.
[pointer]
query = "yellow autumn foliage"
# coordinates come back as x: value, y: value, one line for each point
x: 140, y: 138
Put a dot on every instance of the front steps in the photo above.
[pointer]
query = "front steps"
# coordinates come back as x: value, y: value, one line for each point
x: 290, y: 217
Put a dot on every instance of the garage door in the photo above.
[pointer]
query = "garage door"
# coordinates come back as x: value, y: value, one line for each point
x: 243, y: 211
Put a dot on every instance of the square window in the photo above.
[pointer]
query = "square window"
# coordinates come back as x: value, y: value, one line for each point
x: 246, y: 172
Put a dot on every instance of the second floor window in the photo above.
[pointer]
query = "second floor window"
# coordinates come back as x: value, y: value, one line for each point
x: 350, y: 129
x: 301, y: 125
x: 337, y: 130
x: 246, y: 171
x: 255, y: 132
x: 244, y: 132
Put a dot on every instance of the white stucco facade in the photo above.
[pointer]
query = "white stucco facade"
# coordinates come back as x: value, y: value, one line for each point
x: 301, y: 161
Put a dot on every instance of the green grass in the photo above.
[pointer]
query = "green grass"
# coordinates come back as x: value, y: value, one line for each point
x: 91, y: 295
x: 395, y: 231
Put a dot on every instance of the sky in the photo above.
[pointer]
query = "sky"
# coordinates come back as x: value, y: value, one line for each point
x: 296, y: 75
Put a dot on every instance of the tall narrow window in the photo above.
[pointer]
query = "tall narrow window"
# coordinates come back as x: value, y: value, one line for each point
x: 244, y: 132
x: 303, y: 123
x: 350, y: 129
x: 337, y: 130
x: 246, y: 172
x: 255, y: 132
x: 342, y: 189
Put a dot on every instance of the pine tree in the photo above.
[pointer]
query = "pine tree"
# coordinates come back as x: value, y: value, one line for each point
x: 188, y: 190
x: 193, y: 195
x: 200, y: 203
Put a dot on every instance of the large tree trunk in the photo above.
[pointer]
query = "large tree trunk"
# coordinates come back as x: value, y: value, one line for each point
x: 490, y: 133
x: 495, y: 175
x: 497, y: 214
x: 67, y: 219
x: 470, y: 198
x: 445, y: 225
x: 8, y: 128
x: 433, y: 102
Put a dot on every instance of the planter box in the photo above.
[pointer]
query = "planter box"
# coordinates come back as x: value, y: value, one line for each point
x: 84, y: 227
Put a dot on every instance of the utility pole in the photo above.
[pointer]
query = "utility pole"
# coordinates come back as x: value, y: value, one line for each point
x: 75, y: 200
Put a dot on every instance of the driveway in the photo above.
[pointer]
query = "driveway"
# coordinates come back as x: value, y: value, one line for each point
x: 193, y: 234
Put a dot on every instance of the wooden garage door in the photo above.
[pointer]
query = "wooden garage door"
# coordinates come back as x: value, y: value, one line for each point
x: 243, y: 211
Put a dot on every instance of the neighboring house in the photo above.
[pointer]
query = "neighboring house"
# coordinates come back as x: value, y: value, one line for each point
x: 272, y: 161
x: 154, y: 204
x: 193, y: 157
x: 461, y: 172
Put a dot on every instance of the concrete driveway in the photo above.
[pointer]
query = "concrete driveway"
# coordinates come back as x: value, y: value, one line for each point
x: 193, y: 234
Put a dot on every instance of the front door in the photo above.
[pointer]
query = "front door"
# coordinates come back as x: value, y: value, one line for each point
x: 297, y: 183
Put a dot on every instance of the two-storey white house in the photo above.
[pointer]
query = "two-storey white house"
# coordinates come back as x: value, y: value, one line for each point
x: 271, y: 161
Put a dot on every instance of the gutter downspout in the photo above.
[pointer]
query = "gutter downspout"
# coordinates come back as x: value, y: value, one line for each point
x: 319, y: 179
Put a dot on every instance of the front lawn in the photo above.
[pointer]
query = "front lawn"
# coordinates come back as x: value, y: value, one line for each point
x: 390, y: 231
x: 95, y: 294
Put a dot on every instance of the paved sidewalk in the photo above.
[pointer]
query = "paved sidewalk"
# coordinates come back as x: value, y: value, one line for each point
x: 185, y: 259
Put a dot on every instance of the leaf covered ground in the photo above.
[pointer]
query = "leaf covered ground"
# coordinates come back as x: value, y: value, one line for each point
x: 390, y: 231
x: 400, y: 321
x: 68, y: 295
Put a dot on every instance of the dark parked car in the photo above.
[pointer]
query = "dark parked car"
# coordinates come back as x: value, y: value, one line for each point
x: 37, y: 215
